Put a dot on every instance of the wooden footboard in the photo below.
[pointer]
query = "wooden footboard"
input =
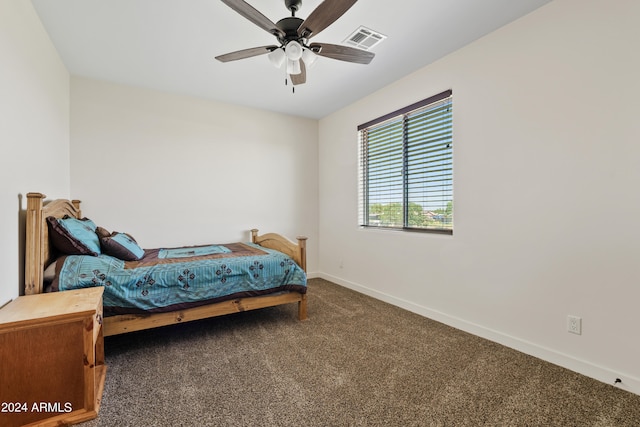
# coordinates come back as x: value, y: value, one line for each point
x: 279, y: 243
x: 39, y: 254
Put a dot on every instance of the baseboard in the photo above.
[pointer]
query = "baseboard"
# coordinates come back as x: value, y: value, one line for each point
x: 315, y: 275
x: 600, y: 373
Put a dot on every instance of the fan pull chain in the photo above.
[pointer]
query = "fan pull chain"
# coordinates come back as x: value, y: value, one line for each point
x: 286, y: 82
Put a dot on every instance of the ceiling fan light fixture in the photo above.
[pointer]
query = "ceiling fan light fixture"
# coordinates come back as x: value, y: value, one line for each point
x: 277, y: 57
x: 293, y: 34
x: 309, y: 57
x: 293, y: 50
x: 293, y: 67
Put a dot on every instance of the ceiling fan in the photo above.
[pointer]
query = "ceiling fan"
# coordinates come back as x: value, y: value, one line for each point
x: 293, y: 36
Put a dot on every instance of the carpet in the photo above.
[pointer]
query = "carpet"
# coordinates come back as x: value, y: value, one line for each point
x: 357, y: 361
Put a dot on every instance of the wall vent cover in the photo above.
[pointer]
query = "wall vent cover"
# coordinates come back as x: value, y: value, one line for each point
x: 364, y: 38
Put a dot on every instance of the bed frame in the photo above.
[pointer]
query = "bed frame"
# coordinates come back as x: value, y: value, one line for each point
x: 39, y: 254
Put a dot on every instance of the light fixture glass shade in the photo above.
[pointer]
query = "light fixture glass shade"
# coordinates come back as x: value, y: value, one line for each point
x: 277, y: 57
x: 293, y: 67
x: 293, y: 50
x: 309, y: 57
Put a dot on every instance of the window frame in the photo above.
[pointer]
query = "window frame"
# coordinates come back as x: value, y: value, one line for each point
x: 403, y: 115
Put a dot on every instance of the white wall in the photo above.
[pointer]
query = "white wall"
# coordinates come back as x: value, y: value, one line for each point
x: 177, y: 170
x: 547, y: 213
x: 546, y: 172
x: 34, y: 130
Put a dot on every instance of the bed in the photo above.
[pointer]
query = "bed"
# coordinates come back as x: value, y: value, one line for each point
x: 278, y: 265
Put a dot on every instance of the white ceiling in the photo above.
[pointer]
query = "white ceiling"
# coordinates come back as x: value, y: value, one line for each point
x: 170, y: 45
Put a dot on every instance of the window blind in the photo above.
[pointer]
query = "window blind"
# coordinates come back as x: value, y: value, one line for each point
x: 406, y: 167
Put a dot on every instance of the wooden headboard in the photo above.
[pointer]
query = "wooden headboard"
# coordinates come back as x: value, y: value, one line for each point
x: 38, y: 252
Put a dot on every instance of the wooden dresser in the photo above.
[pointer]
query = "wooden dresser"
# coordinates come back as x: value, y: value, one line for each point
x: 52, y: 367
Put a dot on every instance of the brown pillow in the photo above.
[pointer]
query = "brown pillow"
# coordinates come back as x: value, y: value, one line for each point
x: 72, y: 236
x: 102, y: 232
x: 121, y: 246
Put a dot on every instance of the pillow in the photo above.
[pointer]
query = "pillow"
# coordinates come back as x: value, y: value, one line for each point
x: 121, y: 246
x: 73, y: 236
x: 50, y: 272
x: 102, y: 232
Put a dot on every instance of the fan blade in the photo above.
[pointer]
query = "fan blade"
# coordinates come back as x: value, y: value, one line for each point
x: 298, y: 79
x: 343, y: 53
x: 324, y: 15
x: 245, y: 53
x: 249, y: 12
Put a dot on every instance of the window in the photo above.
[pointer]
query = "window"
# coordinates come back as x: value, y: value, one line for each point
x: 406, y: 168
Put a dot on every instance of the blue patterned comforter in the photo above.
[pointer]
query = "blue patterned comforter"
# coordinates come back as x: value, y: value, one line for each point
x: 157, y: 283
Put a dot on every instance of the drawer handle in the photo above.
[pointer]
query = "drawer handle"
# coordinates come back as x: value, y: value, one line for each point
x: 99, y: 318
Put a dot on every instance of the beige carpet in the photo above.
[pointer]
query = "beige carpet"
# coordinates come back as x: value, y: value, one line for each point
x: 355, y: 362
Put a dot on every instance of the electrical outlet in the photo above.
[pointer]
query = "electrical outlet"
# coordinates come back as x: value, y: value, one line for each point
x: 574, y: 324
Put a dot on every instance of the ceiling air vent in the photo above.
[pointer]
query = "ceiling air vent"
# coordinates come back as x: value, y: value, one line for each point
x: 364, y: 38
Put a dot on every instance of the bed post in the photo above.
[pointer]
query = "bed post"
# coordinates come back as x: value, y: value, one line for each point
x: 302, y: 304
x: 302, y: 244
x: 33, y: 262
x: 302, y: 307
x: 76, y: 204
